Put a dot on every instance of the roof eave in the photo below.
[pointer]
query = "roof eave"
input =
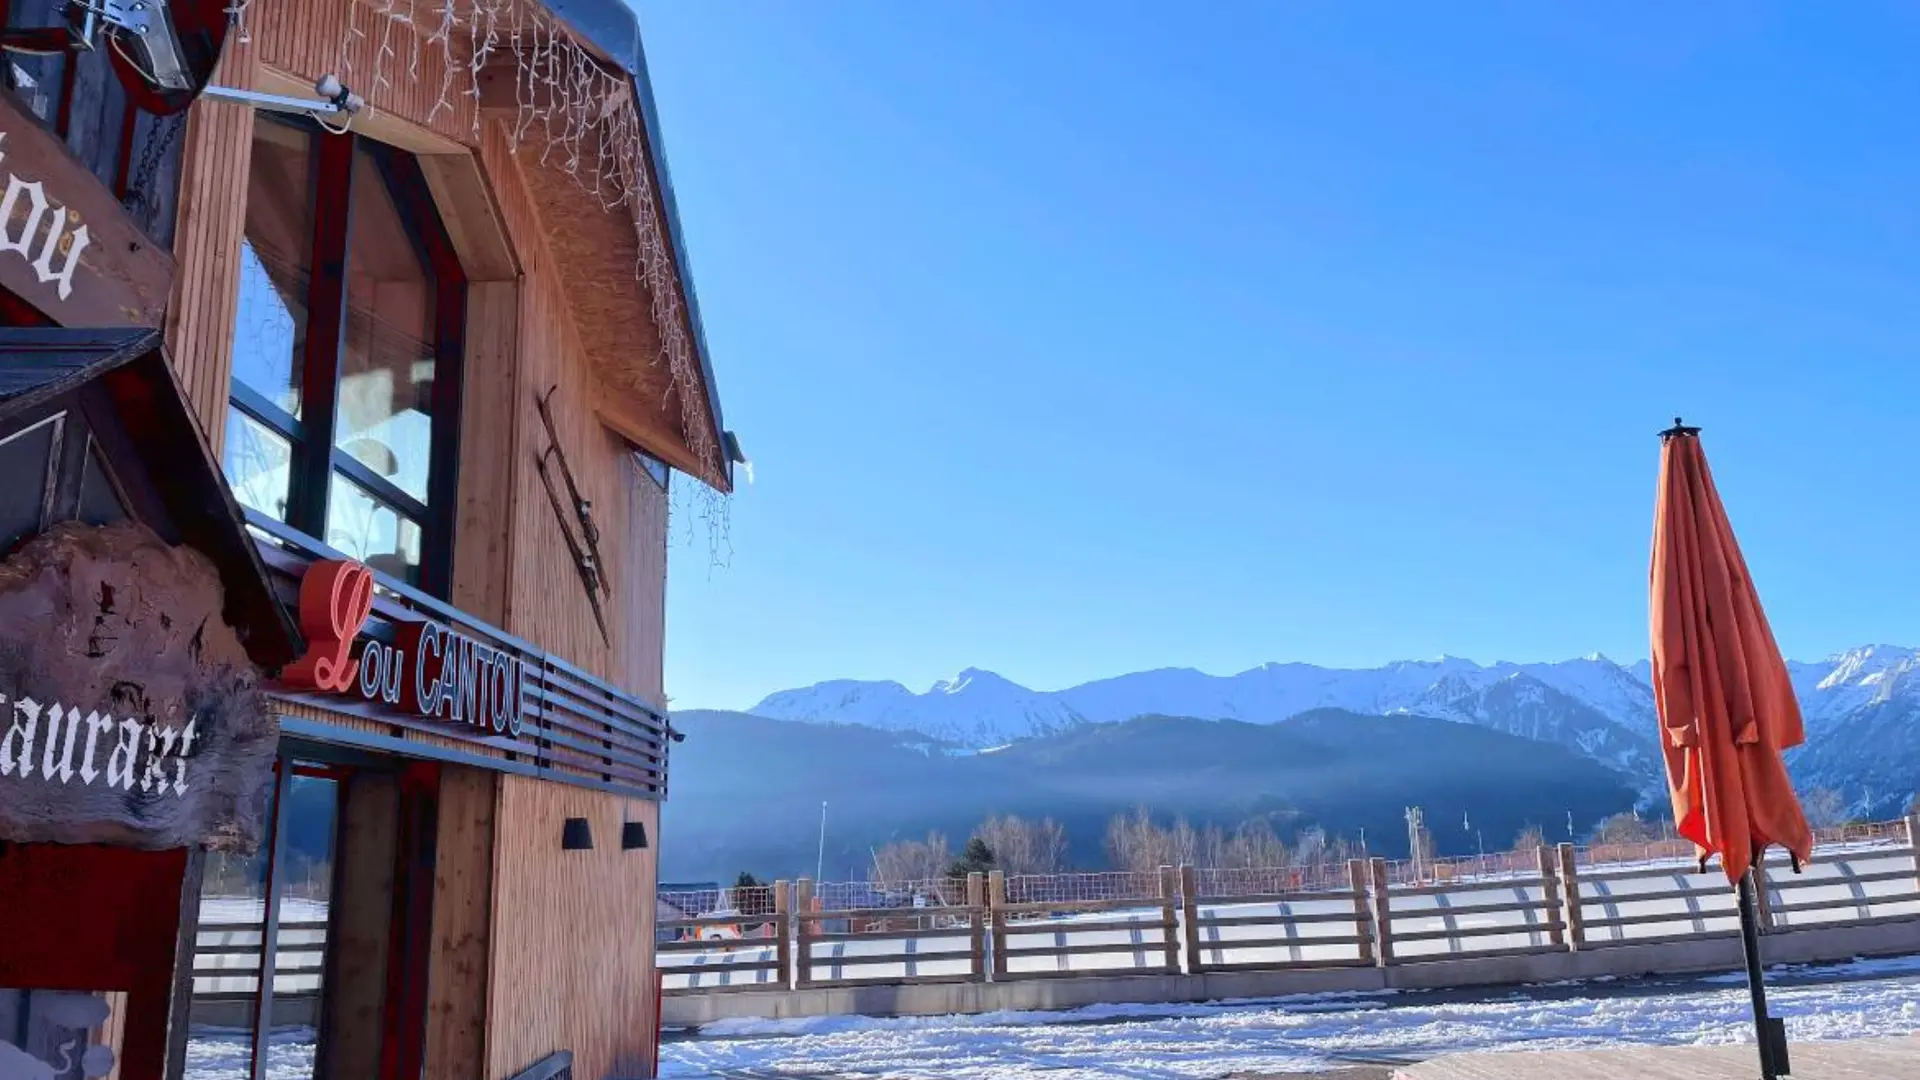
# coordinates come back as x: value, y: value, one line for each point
x: 682, y: 265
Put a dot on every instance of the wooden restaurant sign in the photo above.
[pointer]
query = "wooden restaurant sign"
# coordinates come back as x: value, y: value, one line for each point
x: 430, y: 670
x: 66, y: 245
x: 129, y: 712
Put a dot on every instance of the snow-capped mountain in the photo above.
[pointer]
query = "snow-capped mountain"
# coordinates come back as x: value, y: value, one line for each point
x: 975, y: 708
x: 1862, y: 708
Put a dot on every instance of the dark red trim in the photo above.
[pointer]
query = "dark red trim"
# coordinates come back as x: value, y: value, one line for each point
x: 102, y: 918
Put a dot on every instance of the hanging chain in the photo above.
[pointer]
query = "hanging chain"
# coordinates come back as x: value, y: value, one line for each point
x: 162, y: 134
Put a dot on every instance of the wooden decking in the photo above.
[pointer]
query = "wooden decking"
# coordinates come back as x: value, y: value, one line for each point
x: 1860, y: 1059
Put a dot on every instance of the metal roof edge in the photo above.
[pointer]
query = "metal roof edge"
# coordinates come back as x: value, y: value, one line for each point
x: 682, y: 264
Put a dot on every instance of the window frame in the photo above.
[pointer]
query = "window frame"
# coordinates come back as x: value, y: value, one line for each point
x: 315, y: 458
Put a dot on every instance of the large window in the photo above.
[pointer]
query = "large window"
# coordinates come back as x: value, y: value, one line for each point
x: 346, y: 358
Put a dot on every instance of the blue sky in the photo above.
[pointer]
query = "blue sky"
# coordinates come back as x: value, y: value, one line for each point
x: 1075, y: 338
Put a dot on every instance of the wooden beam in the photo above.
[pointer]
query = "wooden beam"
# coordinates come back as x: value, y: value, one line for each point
x: 462, y: 920
x: 472, y: 216
x: 499, y: 85
x: 655, y: 431
x: 483, y: 523
x: 354, y: 990
x: 375, y: 124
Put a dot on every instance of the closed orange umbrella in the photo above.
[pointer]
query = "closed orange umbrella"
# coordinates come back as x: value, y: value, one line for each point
x: 1727, y: 709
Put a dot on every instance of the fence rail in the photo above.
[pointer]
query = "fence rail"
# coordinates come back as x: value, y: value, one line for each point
x: 1367, y: 912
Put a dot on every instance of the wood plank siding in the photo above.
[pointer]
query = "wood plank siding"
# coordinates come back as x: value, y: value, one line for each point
x: 562, y: 979
x: 219, y: 152
x: 535, y: 949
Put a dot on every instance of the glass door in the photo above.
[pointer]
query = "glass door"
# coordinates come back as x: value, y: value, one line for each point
x: 297, y: 947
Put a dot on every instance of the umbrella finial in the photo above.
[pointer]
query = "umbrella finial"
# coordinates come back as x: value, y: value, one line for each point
x: 1679, y: 428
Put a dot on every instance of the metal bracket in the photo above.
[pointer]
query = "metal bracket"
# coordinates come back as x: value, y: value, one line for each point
x: 334, y: 99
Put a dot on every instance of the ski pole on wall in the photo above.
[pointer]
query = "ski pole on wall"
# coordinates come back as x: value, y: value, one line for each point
x: 586, y: 558
x: 582, y: 506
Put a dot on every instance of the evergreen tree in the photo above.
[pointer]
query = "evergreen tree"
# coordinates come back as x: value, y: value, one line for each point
x: 976, y: 858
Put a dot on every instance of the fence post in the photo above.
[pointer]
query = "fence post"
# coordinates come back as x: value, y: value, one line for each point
x: 1362, y: 925
x: 1913, y: 844
x: 802, y: 952
x: 1169, y: 909
x: 783, y: 931
x: 1570, y: 898
x: 997, y: 919
x: 1382, y: 914
x: 1550, y: 897
x: 1190, y: 915
x: 977, y: 918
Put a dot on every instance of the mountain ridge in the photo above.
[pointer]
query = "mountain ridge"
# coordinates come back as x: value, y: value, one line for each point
x: 751, y: 792
x: 1857, y: 703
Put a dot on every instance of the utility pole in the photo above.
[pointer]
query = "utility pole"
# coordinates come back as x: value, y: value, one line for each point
x: 820, y: 860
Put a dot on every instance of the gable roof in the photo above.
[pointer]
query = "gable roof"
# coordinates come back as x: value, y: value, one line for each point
x: 41, y: 364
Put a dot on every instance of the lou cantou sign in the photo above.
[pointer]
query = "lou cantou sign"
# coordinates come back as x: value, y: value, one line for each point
x: 129, y: 712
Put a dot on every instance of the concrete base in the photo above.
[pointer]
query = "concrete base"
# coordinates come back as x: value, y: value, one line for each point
x: 1862, y: 1059
x: 1691, y: 956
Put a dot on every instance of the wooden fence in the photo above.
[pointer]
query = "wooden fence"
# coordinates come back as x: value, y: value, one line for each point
x: 859, y: 946
x: 1200, y: 921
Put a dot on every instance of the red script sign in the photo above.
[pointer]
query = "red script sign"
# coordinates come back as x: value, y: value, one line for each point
x: 428, y: 669
x: 336, y: 599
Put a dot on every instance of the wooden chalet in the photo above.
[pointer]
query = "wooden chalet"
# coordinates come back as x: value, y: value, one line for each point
x: 338, y: 444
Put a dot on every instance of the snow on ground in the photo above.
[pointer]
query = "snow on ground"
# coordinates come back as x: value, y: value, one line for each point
x: 213, y: 1054
x: 1195, y: 1042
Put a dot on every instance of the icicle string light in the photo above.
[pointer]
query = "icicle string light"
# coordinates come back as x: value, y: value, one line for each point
x: 581, y: 116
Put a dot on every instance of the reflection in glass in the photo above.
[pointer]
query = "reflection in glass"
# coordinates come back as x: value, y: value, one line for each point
x: 387, y: 366
x: 226, y: 965
x: 60, y: 1034
x: 363, y: 527
x: 270, y: 321
x: 303, y: 884
x: 24, y: 457
x: 100, y: 499
x: 258, y: 463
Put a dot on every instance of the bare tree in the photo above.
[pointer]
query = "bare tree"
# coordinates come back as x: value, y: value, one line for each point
x: 1624, y: 828
x: 1025, y: 847
x: 1825, y: 808
x: 912, y: 860
x: 1135, y: 842
x: 1253, y: 845
x: 1531, y: 839
x: 1310, y: 847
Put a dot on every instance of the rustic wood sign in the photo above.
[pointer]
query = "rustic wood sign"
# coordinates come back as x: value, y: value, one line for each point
x: 66, y: 246
x: 129, y: 712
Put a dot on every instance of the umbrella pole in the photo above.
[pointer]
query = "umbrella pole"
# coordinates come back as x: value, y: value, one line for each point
x: 1769, y: 1032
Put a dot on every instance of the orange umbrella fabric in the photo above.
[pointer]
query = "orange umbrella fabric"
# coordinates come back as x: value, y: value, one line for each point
x: 1727, y: 709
